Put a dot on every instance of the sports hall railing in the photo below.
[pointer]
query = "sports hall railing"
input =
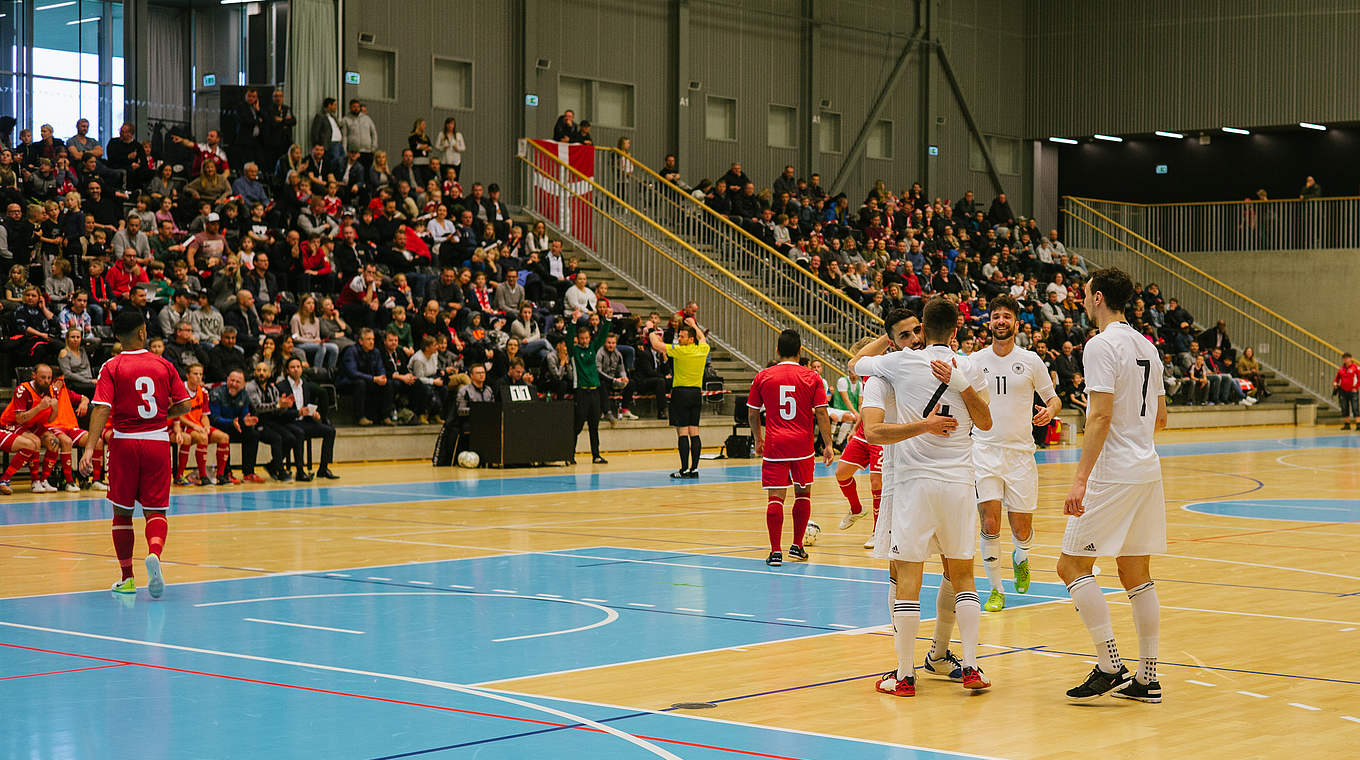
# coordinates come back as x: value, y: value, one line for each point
x: 1294, y: 353
x: 829, y: 309
x: 1246, y: 225
x: 743, y: 319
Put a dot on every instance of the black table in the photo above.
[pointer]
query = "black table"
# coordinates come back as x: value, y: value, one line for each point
x: 522, y: 432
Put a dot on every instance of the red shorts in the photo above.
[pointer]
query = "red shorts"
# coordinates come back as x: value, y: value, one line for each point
x: 139, y: 473
x: 8, y: 438
x: 784, y: 473
x: 863, y: 454
x: 75, y: 434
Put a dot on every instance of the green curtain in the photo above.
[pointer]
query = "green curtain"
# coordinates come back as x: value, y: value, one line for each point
x: 313, y: 66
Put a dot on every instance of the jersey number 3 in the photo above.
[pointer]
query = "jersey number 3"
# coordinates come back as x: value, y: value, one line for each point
x: 147, y: 389
x: 788, y: 405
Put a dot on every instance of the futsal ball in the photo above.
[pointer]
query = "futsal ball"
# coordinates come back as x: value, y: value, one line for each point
x: 810, y: 535
x: 469, y: 459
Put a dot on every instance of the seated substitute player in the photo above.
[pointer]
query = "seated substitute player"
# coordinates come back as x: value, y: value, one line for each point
x: 139, y: 392
x: 30, y: 410
x: 1003, y: 457
x: 197, y: 422
x: 1116, y: 506
x: 933, y: 509
x: 858, y: 455
x: 22, y: 445
x: 795, y: 400
x: 64, y: 425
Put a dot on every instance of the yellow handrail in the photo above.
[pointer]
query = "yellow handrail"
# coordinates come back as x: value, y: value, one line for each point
x: 819, y: 287
x: 588, y: 180
x: 1206, y: 275
x: 1216, y: 203
x: 1192, y: 284
x: 626, y: 228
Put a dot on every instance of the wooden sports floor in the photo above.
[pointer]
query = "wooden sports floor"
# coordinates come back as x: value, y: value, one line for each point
x: 407, y: 611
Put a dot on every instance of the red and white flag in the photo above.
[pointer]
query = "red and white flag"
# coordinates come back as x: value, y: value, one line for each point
x: 565, y: 200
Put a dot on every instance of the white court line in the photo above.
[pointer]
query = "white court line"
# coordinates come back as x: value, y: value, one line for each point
x: 1346, y: 630
x: 739, y: 614
x: 1340, y: 468
x: 842, y: 626
x: 1199, y: 683
x: 691, y: 609
x: 1302, y: 706
x: 459, y: 585
x: 446, y: 685
x: 378, y: 578
x: 1226, y: 562
x: 640, y: 604
x: 1046, y: 654
x: 337, y: 575
x: 421, y: 583
x: 1350, y: 718
x: 505, y: 591
x: 790, y: 620
x: 609, y: 615
x: 588, y: 599
x: 300, y: 625
x: 1246, y: 614
x: 549, y: 596
x: 1253, y: 694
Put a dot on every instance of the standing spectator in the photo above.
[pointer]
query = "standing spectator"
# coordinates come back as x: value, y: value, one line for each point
x: 362, y: 373
x: 583, y: 358
x: 229, y: 410
x: 126, y: 154
x: 361, y: 134
x: 451, y: 147
x: 278, y: 125
x: 1199, y: 382
x: 326, y: 131
x: 420, y: 146
x: 1347, y: 385
x: 565, y: 128
x: 1311, y: 189
x: 249, y: 129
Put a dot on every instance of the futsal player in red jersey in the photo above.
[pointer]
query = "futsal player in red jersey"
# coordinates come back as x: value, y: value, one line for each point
x: 794, y: 399
x: 138, y: 392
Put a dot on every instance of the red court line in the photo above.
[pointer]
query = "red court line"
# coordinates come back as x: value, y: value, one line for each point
x: 372, y: 698
x: 1271, y: 530
x: 59, y: 672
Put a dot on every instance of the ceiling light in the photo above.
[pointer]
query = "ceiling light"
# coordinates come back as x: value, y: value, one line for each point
x: 54, y: 5
x: 82, y: 21
x: 1236, y: 131
x: 1108, y: 138
x: 1311, y: 125
x: 1176, y: 135
x: 1063, y: 140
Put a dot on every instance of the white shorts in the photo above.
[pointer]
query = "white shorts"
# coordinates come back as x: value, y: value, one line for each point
x: 927, y: 517
x: 883, y: 525
x: 1006, y: 475
x: 1121, y: 520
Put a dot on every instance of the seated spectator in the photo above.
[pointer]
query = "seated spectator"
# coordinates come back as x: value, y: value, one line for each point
x: 363, y: 374
x: 226, y: 357
x: 32, y: 342
x: 229, y: 410
x: 183, y: 350
x: 75, y: 364
x: 246, y: 319
x: 614, y: 379
x: 208, y: 322
x: 1200, y: 389
x: 308, y: 400
x: 277, y: 425
x: 517, y: 384
x: 308, y: 334
x: 359, y: 301
x: 474, y: 391
x: 1250, y: 369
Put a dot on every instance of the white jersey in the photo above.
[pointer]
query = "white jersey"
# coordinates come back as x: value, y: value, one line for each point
x: 1012, y: 380
x: 918, y: 392
x: 876, y: 393
x: 1121, y: 361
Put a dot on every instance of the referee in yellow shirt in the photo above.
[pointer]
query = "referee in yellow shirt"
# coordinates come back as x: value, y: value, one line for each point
x: 688, y: 358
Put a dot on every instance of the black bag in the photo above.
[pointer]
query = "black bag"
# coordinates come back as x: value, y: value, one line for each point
x: 739, y: 446
x: 446, y: 445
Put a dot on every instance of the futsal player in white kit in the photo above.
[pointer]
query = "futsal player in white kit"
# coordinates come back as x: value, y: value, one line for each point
x: 1003, y: 457
x: 932, y: 510
x: 1115, y: 506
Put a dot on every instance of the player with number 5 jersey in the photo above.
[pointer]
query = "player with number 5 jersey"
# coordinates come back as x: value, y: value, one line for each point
x: 138, y: 392
x: 793, y: 399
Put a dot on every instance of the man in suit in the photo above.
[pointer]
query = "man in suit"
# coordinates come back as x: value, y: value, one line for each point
x: 277, y: 129
x: 308, y: 402
x: 327, y: 133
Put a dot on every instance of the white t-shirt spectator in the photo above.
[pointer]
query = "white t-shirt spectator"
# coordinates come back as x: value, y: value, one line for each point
x: 580, y: 298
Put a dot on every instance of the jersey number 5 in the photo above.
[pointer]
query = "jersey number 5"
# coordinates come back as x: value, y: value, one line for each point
x: 788, y: 405
x: 147, y: 388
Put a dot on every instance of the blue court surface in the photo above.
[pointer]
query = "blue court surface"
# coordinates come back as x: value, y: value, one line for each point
x: 386, y: 662
x: 1300, y: 510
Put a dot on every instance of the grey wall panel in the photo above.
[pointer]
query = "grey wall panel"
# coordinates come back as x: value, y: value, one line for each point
x: 1127, y: 66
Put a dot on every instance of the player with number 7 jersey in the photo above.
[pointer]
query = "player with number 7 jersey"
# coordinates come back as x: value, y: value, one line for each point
x: 137, y: 392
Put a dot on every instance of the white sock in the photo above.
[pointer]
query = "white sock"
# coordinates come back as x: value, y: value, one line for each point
x: 944, y: 619
x: 892, y: 599
x: 906, y: 619
x: 1095, y: 614
x: 969, y: 611
x: 1021, y: 552
x: 1147, y: 622
x: 991, y: 559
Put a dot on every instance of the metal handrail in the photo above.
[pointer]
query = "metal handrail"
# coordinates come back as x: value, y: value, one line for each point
x: 743, y: 285
x: 1214, y: 203
x: 742, y: 239
x: 1206, y: 275
x: 698, y: 278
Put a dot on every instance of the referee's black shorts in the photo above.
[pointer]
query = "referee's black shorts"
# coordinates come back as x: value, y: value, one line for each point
x: 685, y: 405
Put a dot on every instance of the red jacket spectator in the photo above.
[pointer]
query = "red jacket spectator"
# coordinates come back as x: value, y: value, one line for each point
x: 1348, y: 376
x: 122, y: 276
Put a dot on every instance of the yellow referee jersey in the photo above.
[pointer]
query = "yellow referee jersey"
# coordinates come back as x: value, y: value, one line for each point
x: 688, y: 364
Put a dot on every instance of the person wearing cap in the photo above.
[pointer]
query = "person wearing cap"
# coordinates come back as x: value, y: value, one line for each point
x: 174, y: 312
x: 208, y: 246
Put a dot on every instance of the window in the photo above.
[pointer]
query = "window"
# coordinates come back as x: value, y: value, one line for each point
x: 377, y: 73
x: 1005, y: 154
x: 613, y: 105
x: 77, y: 47
x: 829, y: 136
x: 451, y: 82
x: 880, y: 141
x: 573, y: 94
x: 720, y: 118
x: 783, y: 127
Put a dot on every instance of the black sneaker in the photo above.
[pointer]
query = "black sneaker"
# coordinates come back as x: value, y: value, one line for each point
x: 680, y: 474
x: 1098, y: 684
x: 599, y: 460
x: 1141, y: 692
x: 690, y: 474
x: 775, y: 559
x: 796, y: 553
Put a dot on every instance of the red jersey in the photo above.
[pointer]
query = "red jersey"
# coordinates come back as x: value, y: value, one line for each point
x: 25, y: 398
x: 140, y: 387
x: 1348, y: 377
x: 789, y: 394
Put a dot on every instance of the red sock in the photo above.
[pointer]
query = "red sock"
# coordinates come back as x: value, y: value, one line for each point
x: 223, y: 457
x: 123, y: 540
x: 201, y: 455
x: 774, y: 520
x: 48, y: 462
x: 99, y: 464
x: 851, y: 492
x: 878, y: 497
x: 156, y: 528
x: 802, y: 512
x: 183, y: 460
x: 66, y: 466
x: 17, y: 463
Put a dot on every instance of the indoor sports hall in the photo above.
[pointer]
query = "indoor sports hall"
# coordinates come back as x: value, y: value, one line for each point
x: 453, y: 379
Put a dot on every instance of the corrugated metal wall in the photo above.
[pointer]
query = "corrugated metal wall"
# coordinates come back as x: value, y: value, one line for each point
x: 1128, y: 66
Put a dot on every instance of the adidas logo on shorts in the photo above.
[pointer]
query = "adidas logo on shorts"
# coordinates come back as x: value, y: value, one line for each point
x: 1089, y: 548
x: 894, y: 549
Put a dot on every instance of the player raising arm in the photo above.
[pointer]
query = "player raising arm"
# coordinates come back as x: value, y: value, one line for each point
x: 138, y: 392
x: 795, y: 399
x: 1115, y: 506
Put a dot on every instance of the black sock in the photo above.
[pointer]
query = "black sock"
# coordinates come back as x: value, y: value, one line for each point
x: 683, y: 446
x: 694, y: 449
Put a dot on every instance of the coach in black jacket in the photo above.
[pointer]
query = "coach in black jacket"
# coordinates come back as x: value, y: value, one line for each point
x: 313, y: 423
